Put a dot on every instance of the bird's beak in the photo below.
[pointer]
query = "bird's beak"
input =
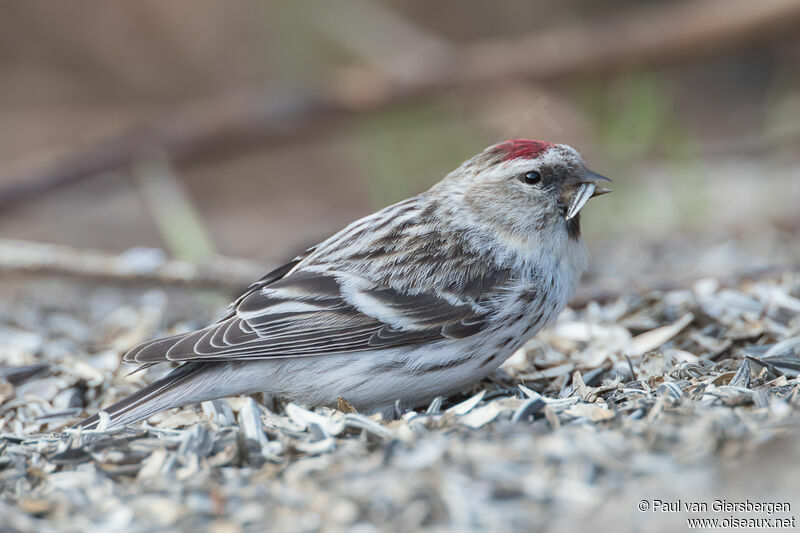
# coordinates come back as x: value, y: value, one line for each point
x: 585, y: 189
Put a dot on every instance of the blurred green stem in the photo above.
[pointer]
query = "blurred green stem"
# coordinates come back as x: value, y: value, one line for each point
x: 179, y: 224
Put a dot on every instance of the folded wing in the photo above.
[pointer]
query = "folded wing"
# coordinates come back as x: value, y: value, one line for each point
x: 315, y: 313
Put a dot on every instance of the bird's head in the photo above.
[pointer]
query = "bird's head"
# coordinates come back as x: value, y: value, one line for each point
x: 521, y: 187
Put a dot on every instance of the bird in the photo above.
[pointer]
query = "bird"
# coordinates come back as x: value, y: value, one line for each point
x: 420, y: 299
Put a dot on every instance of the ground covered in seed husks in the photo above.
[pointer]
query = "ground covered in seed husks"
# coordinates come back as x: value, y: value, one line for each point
x: 690, y: 393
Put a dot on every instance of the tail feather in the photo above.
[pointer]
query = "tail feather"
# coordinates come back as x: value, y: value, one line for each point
x: 178, y: 388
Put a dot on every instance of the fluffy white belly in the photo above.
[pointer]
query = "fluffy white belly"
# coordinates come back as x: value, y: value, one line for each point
x: 369, y: 381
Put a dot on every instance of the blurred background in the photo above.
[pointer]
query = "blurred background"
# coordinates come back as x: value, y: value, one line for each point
x: 253, y: 129
x: 193, y: 144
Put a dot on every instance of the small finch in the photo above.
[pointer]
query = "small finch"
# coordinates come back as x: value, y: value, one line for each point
x: 417, y: 300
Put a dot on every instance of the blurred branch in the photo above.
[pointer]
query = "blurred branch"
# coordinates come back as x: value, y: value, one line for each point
x: 136, y: 265
x: 150, y: 266
x: 652, y: 35
x: 188, y: 134
x: 397, y: 48
x: 648, y: 35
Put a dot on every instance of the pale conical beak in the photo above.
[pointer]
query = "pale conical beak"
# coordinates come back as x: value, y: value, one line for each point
x: 586, y: 189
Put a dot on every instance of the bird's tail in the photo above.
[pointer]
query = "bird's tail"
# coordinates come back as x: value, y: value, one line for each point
x: 182, y: 386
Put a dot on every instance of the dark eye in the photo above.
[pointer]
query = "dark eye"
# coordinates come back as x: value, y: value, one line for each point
x: 532, y: 177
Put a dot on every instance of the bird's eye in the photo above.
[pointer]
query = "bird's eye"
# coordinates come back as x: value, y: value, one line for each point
x: 532, y: 177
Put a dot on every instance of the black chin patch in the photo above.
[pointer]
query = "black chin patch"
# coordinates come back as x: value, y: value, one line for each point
x: 574, y: 227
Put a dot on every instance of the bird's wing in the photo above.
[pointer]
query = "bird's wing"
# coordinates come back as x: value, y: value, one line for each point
x: 270, y: 277
x: 316, y: 312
